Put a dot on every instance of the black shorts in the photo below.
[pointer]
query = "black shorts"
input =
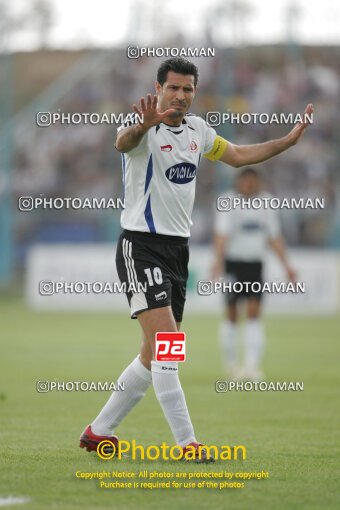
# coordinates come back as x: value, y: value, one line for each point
x: 239, y: 271
x: 154, y: 269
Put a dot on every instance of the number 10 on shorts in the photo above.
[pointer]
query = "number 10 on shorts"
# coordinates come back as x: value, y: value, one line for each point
x: 170, y: 346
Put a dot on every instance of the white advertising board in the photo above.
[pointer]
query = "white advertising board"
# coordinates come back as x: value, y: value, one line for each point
x: 317, y: 270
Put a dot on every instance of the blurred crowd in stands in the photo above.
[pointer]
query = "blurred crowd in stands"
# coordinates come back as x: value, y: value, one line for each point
x: 81, y: 161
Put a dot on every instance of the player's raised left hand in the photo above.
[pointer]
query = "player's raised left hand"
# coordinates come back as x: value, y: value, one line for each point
x: 297, y: 132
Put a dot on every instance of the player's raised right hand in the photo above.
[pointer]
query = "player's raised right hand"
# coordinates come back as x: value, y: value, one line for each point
x: 148, y: 109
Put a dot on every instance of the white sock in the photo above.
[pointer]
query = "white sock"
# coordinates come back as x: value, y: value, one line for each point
x: 136, y: 379
x: 171, y: 397
x: 227, y: 334
x: 254, y: 343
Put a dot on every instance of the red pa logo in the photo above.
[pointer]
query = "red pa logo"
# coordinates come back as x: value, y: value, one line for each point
x: 170, y: 346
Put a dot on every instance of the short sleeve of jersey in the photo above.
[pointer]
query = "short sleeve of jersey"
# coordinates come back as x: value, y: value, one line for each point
x: 274, y: 229
x: 223, y: 219
x: 130, y: 121
x: 209, y: 135
x: 271, y: 218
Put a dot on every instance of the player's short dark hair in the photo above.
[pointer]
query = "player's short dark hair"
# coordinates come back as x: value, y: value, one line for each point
x: 249, y: 170
x: 178, y: 65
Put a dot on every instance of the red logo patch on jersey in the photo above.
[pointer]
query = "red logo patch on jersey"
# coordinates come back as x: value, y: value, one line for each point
x: 166, y: 148
x: 193, y: 146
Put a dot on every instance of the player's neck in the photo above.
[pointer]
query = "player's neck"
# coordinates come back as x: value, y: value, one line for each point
x: 172, y: 124
x: 168, y: 121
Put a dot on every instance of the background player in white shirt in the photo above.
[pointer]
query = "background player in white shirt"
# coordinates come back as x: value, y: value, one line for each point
x: 242, y: 238
x: 160, y: 160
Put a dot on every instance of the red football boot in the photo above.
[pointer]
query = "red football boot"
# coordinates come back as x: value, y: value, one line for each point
x: 201, y: 456
x: 90, y: 441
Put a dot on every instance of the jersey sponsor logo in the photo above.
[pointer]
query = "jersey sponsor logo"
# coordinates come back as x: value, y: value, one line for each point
x: 250, y: 226
x: 170, y: 346
x: 166, y: 148
x: 182, y: 173
x: 193, y: 146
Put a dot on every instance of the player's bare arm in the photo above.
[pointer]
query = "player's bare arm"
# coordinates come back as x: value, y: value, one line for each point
x: 219, y: 241
x: 242, y: 155
x: 129, y: 138
x: 278, y: 246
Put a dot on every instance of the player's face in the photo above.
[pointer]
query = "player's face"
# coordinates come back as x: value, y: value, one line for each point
x: 177, y: 92
x: 248, y: 185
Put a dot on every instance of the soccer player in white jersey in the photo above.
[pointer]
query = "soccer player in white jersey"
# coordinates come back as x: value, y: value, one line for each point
x: 241, y: 240
x: 160, y: 158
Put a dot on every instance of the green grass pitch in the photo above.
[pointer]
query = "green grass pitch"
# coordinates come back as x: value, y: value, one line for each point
x: 293, y: 436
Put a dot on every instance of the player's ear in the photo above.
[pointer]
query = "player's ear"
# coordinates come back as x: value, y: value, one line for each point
x: 158, y: 87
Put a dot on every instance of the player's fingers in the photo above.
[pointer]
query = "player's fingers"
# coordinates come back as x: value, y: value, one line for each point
x: 136, y: 110
x: 148, y: 101
x: 142, y: 103
x: 309, y: 108
x: 154, y: 101
x: 296, y: 133
x: 307, y: 113
x: 299, y: 128
x: 305, y: 121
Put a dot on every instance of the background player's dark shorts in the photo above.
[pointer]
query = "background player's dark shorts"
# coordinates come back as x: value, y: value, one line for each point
x: 239, y: 271
x: 159, y: 264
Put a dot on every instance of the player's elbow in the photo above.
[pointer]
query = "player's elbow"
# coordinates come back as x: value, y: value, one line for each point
x: 232, y: 161
x: 233, y: 156
x: 119, y: 145
x: 236, y: 164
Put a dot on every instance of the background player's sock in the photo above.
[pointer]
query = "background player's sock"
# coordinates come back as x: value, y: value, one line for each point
x: 253, y: 342
x: 227, y: 334
x: 171, y: 397
x: 136, y: 379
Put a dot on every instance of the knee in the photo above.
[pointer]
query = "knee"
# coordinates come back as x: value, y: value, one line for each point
x: 232, y: 314
x: 253, y: 313
x: 254, y: 310
x: 146, y: 356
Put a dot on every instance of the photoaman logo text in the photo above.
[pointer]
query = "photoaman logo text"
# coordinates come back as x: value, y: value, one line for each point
x: 107, y: 450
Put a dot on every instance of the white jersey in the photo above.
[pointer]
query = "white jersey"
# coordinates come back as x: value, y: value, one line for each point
x: 159, y: 177
x: 248, y: 230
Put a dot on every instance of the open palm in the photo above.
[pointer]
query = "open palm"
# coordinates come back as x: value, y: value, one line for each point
x: 148, y: 109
